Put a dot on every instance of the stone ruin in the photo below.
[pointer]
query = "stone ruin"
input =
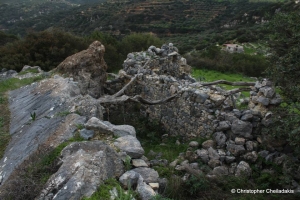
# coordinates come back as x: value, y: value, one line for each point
x: 149, y: 78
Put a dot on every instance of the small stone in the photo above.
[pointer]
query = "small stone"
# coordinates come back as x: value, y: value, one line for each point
x: 139, y: 163
x: 249, y: 146
x: 220, y: 138
x: 154, y: 186
x: 243, y: 169
x: 214, y: 163
x: 229, y: 159
x: 223, y: 126
x: 86, y: 134
x: 194, y: 144
x: 251, y: 156
x: 203, y: 154
x: 177, y: 142
x: 220, y: 171
x: 239, y: 141
x: 213, y: 154
x: 207, y: 144
x: 174, y: 163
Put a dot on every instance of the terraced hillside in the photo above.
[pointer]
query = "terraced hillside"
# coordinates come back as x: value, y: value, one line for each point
x: 117, y: 16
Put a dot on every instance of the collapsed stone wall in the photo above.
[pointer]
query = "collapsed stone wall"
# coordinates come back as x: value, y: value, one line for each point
x: 198, y: 111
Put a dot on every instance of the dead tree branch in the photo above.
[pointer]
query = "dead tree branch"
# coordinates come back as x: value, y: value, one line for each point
x: 121, y: 92
x: 229, y: 83
x: 137, y: 99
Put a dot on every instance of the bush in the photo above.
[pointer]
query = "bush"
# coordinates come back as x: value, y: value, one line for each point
x: 45, y: 49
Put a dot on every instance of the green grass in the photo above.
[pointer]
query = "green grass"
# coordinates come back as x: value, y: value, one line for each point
x: 204, y: 75
x: 34, y: 71
x: 103, y: 193
x: 63, y: 113
x: 15, y: 83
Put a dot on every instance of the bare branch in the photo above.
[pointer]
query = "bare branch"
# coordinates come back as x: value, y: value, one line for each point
x: 126, y: 86
x: 229, y: 83
x: 137, y: 99
x: 148, y: 102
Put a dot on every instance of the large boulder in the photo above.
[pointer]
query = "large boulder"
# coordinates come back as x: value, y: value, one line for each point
x: 50, y: 100
x: 88, y: 68
x: 85, y: 165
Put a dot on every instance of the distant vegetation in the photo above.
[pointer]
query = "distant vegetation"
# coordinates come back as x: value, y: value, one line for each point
x: 49, y: 48
x: 215, y: 59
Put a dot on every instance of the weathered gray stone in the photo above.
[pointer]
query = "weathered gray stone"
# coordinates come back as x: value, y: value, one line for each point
x: 247, y: 117
x: 229, y: 159
x: 194, y: 144
x: 86, y: 134
x: 98, y: 125
x: 276, y: 100
x: 214, y: 163
x: 121, y: 130
x: 88, y: 68
x: 207, y: 144
x: 139, y: 163
x: 129, y: 179
x: 239, y: 141
x: 144, y: 190
x: 268, y: 92
x: 235, y: 150
x: 242, y: 128
x: 47, y: 99
x: 213, y: 154
x: 220, y: 138
x: 154, y: 186
x: 201, y: 97
x: 263, y: 100
x: 160, y: 162
x: 149, y: 175
x: 217, y: 98
x: 223, y: 126
x: 243, y: 169
x: 251, y: 156
x: 220, y: 171
x: 203, y: 154
x: 78, y: 176
x: 249, y: 146
x: 130, y: 145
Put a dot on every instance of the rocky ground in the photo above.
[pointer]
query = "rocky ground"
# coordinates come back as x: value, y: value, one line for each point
x: 78, y: 99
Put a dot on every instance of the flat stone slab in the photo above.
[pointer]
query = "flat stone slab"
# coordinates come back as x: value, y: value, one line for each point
x: 139, y: 163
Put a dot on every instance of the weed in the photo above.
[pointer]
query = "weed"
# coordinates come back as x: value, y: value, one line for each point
x: 194, y: 185
x: 63, y: 113
x: 127, y: 163
x: 80, y: 126
x: 34, y: 71
x: 2, y: 99
x: 33, y: 116
x: 111, y: 186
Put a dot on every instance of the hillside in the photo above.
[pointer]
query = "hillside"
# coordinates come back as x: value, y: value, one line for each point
x: 161, y: 17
